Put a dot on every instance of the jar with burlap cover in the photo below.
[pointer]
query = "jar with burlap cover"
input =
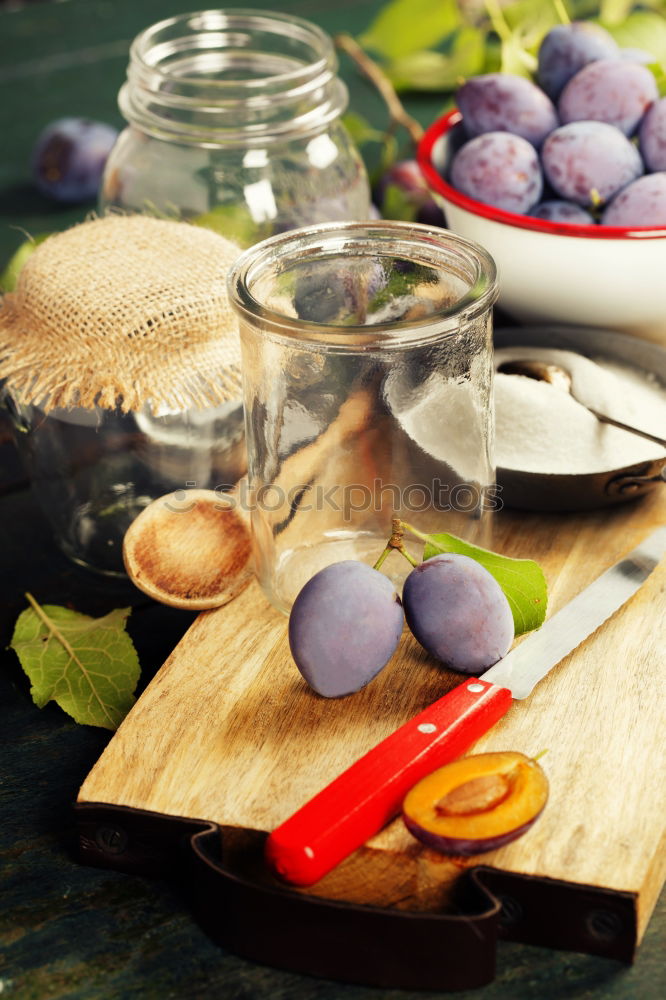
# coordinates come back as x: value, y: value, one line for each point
x: 123, y: 312
x: 121, y: 360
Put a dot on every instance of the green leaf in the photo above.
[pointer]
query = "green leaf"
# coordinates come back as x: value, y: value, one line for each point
x: 517, y: 42
x: 360, y: 129
x: 643, y: 29
x: 9, y: 276
x: 516, y: 57
x: 234, y: 222
x: 397, y: 205
x: 86, y: 665
x: 614, y: 11
x: 404, y: 26
x: 660, y: 76
x: 423, y: 70
x: 432, y: 71
x: 522, y: 580
x: 532, y: 19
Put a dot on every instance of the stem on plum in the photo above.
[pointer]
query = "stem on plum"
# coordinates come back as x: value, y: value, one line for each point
x: 428, y: 539
x: 386, y: 89
x: 396, y: 542
x: 408, y: 556
x: 500, y: 27
x: 561, y: 11
x: 380, y: 562
x: 505, y: 34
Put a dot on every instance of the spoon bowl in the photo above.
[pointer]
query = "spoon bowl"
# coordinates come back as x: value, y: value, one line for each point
x: 189, y: 549
x: 539, y: 491
x: 558, y: 376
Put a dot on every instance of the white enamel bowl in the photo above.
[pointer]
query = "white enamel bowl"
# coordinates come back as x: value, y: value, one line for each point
x: 600, y: 276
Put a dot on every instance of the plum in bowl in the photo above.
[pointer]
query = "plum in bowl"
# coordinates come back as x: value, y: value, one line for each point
x: 553, y: 272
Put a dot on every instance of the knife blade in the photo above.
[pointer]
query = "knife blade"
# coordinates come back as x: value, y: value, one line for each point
x: 365, y: 797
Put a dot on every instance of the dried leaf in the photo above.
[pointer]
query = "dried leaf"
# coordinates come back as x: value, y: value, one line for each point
x: 88, y: 666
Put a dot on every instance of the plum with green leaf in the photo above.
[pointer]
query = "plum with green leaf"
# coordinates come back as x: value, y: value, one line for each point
x: 464, y: 604
x: 458, y: 612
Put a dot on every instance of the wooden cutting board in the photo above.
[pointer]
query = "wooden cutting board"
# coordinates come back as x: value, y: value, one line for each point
x: 228, y: 732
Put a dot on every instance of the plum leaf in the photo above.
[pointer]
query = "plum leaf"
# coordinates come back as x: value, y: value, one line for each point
x: 428, y: 70
x: 614, y: 11
x: 643, y: 29
x: 361, y: 130
x: 88, y: 666
x: 522, y: 580
x: 234, y: 222
x: 398, y: 205
x: 9, y: 276
x: 404, y: 26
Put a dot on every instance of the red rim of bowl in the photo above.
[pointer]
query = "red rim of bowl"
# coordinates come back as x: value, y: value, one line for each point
x: 435, y: 180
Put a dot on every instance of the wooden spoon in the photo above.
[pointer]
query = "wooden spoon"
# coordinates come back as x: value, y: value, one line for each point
x: 189, y: 549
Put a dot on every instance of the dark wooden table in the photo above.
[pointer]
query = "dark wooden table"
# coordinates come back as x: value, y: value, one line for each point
x: 74, y: 932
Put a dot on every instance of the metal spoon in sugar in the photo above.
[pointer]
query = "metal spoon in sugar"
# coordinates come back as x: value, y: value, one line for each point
x: 546, y: 371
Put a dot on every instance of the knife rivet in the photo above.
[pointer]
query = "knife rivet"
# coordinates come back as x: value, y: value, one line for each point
x: 427, y: 727
x: 475, y: 688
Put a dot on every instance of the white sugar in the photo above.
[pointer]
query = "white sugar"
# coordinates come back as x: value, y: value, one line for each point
x: 542, y: 428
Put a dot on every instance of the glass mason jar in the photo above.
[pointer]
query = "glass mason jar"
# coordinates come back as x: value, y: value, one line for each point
x: 367, y: 371
x: 94, y: 470
x: 234, y: 123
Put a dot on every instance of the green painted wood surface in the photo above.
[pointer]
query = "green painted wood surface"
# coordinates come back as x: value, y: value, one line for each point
x: 72, y: 932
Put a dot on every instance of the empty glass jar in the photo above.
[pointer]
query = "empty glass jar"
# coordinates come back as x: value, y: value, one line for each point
x: 367, y: 371
x: 234, y: 122
x: 94, y: 470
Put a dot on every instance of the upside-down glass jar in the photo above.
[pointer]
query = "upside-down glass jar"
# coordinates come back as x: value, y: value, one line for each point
x: 234, y: 123
x: 121, y: 362
x: 367, y: 374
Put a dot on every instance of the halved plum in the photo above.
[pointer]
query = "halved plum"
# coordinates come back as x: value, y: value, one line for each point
x: 477, y: 803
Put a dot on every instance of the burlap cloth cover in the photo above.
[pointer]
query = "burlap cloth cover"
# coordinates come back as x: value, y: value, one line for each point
x: 124, y: 311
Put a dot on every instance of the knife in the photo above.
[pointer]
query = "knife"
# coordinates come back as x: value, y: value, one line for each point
x: 365, y: 797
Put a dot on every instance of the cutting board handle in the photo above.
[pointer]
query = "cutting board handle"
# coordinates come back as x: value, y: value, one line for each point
x: 368, y: 945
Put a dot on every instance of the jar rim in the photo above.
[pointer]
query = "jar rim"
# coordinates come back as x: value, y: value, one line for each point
x: 232, y: 76
x: 239, y: 17
x: 327, y: 239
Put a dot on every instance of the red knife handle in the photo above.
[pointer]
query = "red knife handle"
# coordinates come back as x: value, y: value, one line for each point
x: 363, y: 799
